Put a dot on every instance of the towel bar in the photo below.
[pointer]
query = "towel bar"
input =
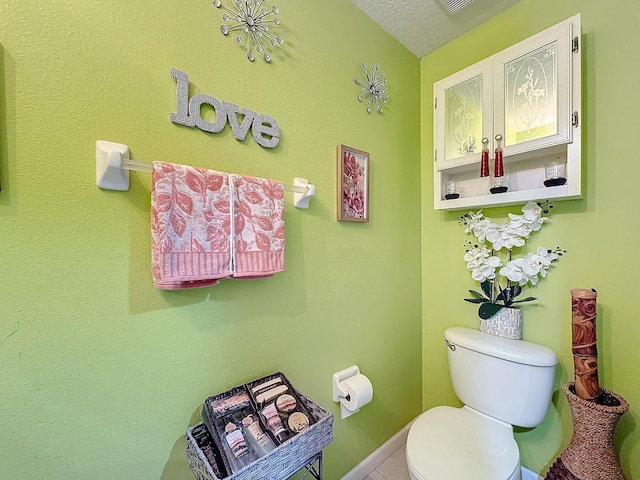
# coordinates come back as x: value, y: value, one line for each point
x: 113, y: 165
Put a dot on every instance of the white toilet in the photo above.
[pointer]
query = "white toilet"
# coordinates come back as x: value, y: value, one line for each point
x: 501, y: 383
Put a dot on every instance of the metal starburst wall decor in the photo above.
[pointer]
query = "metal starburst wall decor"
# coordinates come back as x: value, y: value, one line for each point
x: 375, y: 87
x: 250, y: 21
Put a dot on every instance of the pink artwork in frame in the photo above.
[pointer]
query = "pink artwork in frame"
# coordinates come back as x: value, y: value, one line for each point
x: 353, y: 185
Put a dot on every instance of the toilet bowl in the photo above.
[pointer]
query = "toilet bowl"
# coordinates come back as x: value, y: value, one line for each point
x: 501, y: 383
x: 460, y: 443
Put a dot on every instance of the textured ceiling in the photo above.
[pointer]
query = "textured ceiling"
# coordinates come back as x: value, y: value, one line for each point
x: 424, y: 25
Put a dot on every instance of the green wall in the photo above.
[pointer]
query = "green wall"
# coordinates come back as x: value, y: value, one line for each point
x: 101, y: 374
x: 599, y: 232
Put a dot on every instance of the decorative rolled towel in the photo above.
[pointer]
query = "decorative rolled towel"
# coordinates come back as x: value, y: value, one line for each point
x: 258, y: 227
x: 190, y: 226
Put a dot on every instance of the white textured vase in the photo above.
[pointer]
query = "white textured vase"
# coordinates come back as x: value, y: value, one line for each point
x: 507, y: 323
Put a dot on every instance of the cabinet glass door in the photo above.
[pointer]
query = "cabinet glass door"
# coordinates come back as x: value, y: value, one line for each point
x: 531, y: 103
x: 463, y: 110
x: 463, y: 115
x: 532, y: 92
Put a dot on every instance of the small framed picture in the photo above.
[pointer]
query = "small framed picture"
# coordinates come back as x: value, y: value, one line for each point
x: 353, y: 185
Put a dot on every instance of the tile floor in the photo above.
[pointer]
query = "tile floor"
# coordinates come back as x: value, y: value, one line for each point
x: 393, y: 468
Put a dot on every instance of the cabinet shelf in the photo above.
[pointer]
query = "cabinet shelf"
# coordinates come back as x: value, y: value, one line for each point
x: 510, y: 198
x: 524, y: 174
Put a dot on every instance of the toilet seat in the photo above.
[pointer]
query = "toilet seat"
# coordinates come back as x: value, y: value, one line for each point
x: 459, y: 444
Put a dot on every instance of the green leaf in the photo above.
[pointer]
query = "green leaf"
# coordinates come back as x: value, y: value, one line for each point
x: 476, y: 294
x: 517, y: 290
x: 476, y: 300
x: 528, y: 299
x: 488, y: 310
x: 486, y: 288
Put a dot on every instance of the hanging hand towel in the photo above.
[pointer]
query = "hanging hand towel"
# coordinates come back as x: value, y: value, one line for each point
x: 258, y: 221
x: 190, y: 226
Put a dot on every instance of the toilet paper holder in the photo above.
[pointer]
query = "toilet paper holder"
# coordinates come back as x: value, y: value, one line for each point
x: 338, y: 391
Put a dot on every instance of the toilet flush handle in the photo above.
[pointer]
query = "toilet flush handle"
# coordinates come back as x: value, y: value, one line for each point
x: 450, y: 345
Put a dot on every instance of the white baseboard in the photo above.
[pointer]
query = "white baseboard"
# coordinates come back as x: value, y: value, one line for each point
x: 373, y: 461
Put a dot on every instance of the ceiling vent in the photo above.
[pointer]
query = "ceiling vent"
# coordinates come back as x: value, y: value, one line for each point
x: 454, y: 6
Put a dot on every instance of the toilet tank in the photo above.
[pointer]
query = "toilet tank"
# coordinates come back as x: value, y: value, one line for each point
x: 511, y: 380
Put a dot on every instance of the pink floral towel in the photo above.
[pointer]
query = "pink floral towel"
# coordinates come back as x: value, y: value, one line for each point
x: 190, y: 226
x: 258, y: 226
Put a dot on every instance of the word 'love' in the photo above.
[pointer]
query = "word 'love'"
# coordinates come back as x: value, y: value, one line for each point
x: 265, y: 129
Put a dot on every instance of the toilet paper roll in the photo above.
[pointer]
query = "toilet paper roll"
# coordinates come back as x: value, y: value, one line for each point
x: 359, y: 392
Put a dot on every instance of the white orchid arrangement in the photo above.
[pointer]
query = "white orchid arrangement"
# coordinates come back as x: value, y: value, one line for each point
x: 486, y: 266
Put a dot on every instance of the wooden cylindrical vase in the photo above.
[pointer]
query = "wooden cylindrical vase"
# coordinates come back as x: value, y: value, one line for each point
x: 595, y: 411
x: 584, y: 342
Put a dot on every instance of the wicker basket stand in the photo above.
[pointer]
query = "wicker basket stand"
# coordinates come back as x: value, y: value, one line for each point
x: 285, y: 460
x: 590, y: 455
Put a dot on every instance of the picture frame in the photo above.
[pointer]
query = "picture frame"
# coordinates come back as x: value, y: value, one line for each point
x: 353, y: 185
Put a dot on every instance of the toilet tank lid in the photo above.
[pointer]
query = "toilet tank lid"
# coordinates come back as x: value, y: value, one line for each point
x: 518, y: 351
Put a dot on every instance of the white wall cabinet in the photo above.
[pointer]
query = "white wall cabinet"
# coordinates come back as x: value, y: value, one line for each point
x: 530, y: 94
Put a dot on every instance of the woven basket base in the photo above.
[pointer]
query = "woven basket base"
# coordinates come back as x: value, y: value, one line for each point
x: 590, y: 455
x: 559, y: 472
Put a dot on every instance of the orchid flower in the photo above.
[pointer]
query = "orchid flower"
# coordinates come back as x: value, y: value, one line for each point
x: 486, y: 266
